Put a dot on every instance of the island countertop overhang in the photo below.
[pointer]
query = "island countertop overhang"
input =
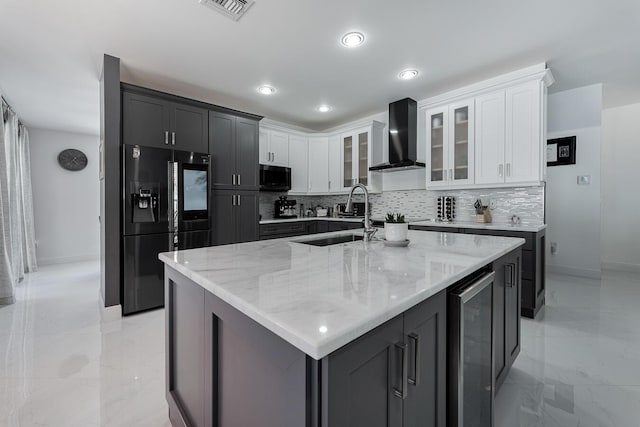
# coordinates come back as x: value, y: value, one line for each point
x: 321, y: 298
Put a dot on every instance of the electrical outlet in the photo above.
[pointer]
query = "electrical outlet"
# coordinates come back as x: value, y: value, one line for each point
x: 554, y: 248
x: 492, y: 204
x: 584, y: 180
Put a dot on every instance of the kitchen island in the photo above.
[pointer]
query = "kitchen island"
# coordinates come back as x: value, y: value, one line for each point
x: 284, y: 333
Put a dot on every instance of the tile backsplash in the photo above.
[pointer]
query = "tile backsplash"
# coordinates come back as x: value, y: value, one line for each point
x: 526, y: 202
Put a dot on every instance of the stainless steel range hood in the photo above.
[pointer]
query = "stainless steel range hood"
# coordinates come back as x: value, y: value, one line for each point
x: 403, y: 137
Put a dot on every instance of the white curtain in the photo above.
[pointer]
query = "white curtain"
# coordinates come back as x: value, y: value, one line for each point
x: 7, y: 280
x: 17, y: 237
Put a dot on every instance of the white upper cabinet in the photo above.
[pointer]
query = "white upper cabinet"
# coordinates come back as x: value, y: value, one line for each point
x: 509, y: 142
x: 318, y: 165
x: 490, y: 138
x: 523, y: 151
x: 274, y: 148
x: 450, y: 145
x: 299, y: 163
x: 335, y: 164
x: 490, y: 134
x: 362, y: 148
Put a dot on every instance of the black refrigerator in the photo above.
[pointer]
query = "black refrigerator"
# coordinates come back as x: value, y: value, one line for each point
x: 166, y: 207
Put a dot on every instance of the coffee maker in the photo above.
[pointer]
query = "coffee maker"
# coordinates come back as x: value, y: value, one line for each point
x: 285, y: 208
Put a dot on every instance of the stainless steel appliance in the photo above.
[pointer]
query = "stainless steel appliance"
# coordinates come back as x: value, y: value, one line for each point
x: 166, y: 207
x: 357, y: 209
x: 285, y: 208
x: 275, y: 178
x: 471, y: 380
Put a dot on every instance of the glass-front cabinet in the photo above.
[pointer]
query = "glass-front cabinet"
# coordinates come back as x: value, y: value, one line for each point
x: 450, y: 131
x: 355, y: 158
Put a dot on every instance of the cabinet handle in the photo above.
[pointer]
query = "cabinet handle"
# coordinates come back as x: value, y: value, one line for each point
x: 166, y: 137
x: 233, y: 200
x: 500, y: 169
x: 238, y: 179
x: 402, y: 394
x: 450, y: 174
x: 415, y: 339
x: 238, y: 200
x: 508, y: 169
x: 233, y: 179
x: 173, y: 138
x: 273, y: 156
x: 329, y: 185
x: 509, y: 279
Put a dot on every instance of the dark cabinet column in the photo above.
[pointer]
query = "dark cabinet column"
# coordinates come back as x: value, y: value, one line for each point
x: 247, y: 154
x: 360, y: 379
x: 145, y: 120
x: 506, y: 313
x: 513, y: 308
x: 222, y: 135
x: 190, y: 127
x: 223, y: 221
x: 425, y: 329
x: 246, y: 214
x: 185, y: 352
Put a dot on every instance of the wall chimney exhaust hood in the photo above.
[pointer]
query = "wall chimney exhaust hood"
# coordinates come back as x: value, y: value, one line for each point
x: 403, y: 137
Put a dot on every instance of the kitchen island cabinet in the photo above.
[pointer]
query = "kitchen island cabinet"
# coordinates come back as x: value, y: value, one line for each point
x: 283, y: 333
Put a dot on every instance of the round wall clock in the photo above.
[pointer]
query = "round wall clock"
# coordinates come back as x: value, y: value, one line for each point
x: 72, y: 160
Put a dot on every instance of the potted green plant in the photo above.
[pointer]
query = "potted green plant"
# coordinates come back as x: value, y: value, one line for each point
x: 395, y: 229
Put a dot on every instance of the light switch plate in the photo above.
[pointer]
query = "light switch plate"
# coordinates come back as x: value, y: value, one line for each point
x: 584, y: 179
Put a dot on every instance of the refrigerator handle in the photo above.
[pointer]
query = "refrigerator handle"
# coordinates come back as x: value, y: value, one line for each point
x: 173, y: 205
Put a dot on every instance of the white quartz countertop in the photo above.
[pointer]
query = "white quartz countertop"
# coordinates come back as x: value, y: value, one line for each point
x: 491, y: 226
x: 320, y: 298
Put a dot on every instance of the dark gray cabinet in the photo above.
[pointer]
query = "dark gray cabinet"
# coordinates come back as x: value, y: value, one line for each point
x: 532, y: 263
x: 233, y: 145
x: 155, y: 121
x: 339, y: 226
x: 185, y: 349
x: 300, y: 228
x: 285, y: 229
x: 393, y: 376
x: 235, y: 217
x: 506, y: 313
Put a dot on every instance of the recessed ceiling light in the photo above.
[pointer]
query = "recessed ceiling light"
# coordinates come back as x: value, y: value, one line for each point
x: 267, y: 90
x: 408, y: 74
x: 353, y: 39
x: 324, y: 108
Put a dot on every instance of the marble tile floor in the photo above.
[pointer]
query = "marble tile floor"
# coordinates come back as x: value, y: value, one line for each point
x: 63, y: 364
x: 580, y: 358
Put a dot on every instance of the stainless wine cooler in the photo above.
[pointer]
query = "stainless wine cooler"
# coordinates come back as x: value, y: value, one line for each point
x: 470, y: 350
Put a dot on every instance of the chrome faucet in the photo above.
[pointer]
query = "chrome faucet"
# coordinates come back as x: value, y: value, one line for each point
x: 369, y: 230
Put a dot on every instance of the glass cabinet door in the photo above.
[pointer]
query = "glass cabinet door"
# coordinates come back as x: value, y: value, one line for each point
x: 437, y: 148
x: 461, y: 143
x: 363, y: 158
x: 347, y: 161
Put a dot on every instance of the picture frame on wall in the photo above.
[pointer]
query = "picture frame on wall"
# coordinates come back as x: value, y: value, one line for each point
x: 561, y: 151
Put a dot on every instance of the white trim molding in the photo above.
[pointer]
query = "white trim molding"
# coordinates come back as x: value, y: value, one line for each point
x: 572, y: 271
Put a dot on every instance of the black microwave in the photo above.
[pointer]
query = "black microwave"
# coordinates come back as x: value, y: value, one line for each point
x: 275, y: 178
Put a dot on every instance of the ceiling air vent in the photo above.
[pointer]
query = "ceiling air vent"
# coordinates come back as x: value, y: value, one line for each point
x: 233, y: 9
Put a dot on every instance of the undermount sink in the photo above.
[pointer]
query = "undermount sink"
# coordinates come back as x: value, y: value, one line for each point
x: 326, y: 241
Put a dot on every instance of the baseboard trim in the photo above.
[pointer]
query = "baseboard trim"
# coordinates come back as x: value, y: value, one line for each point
x: 621, y: 266
x: 572, y: 271
x: 67, y: 260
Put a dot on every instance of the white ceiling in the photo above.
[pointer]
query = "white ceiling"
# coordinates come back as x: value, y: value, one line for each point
x: 51, y: 52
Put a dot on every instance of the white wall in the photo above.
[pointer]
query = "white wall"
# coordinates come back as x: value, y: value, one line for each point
x: 66, y: 204
x: 573, y: 211
x: 620, y: 193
